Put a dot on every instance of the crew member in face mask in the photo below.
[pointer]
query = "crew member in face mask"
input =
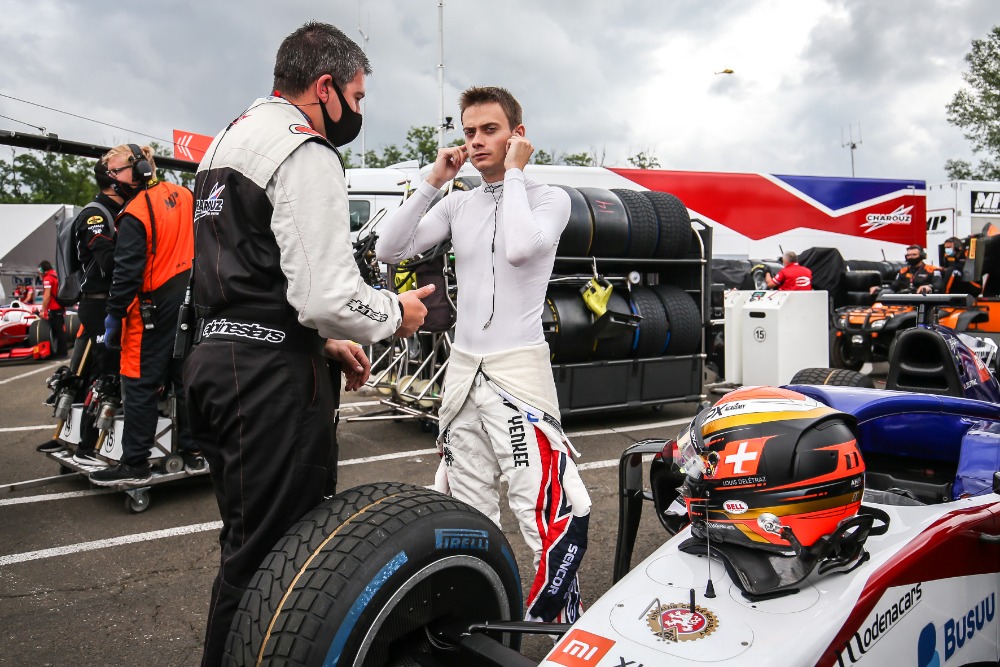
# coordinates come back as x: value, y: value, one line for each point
x: 953, y: 268
x: 916, y: 277
x: 152, y: 266
x: 276, y: 289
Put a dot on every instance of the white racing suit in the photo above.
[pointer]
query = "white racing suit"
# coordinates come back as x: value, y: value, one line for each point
x: 499, y: 419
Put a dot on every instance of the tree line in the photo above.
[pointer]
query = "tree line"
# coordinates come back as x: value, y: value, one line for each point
x: 421, y: 145
x: 40, y: 177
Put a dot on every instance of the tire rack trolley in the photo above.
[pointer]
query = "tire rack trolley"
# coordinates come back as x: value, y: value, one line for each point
x: 410, y: 372
x: 167, y: 465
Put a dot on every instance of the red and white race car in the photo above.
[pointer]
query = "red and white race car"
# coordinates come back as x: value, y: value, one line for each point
x: 24, y: 335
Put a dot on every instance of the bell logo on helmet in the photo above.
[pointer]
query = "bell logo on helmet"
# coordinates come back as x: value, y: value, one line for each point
x: 735, y: 506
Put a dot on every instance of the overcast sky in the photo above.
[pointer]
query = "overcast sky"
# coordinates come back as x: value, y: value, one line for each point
x: 613, y: 76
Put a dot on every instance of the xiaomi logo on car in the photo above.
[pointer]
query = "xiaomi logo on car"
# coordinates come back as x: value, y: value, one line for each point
x: 581, y: 649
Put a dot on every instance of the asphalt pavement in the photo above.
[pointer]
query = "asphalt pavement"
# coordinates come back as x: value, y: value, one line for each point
x: 85, y: 581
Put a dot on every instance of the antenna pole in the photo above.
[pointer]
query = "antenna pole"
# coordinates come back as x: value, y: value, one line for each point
x: 710, y: 587
x: 364, y: 47
x: 851, y: 143
x: 441, y: 122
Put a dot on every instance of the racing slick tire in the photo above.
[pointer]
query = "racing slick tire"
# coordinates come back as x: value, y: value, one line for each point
x: 611, y: 231
x: 72, y: 329
x: 861, y: 281
x: 651, y: 338
x: 579, y: 232
x: 683, y: 320
x: 838, y: 377
x: 843, y: 356
x: 695, y: 249
x: 644, y: 229
x: 675, y: 224
x: 39, y: 331
x: 566, y: 322
x: 358, y: 580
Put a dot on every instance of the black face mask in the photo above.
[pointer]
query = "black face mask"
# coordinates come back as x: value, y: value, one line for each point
x: 913, y: 261
x: 124, y: 190
x: 345, y: 130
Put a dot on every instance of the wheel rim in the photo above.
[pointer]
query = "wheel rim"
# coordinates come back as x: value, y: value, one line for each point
x: 486, y: 575
x: 847, y: 354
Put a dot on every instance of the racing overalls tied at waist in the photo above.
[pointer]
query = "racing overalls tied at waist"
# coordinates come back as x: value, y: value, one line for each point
x: 500, y: 418
x: 165, y: 211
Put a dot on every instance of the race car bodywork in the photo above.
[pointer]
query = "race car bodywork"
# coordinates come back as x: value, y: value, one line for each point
x: 24, y: 336
x: 929, y: 586
x: 929, y: 589
x: 926, y: 592
x: 912, y: 579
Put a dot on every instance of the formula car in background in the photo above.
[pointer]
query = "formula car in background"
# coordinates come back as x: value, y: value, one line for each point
x: 24, y: 335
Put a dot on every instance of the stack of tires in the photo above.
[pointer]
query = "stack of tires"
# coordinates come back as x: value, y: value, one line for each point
x: 861, y: 275
x: 628, y: 225
x: 671, y: 324
x: 625, y: 224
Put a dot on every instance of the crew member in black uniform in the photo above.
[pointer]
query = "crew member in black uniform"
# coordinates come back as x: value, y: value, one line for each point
x: 152, y: 269
x: 94, y: 231
x: 276, y: 288
x: 916, y: 277
x: 953, y: 267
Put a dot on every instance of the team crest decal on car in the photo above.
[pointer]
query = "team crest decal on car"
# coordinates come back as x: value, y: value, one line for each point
x: 675, y: 622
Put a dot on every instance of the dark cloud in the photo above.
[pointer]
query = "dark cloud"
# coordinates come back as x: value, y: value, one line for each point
x: 585, y: 71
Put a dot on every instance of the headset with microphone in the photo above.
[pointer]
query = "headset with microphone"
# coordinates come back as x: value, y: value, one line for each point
x: 141, y: 168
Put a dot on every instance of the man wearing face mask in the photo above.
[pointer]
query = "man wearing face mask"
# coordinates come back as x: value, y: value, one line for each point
x: 917, y: 277
x: 152, y: 265
x: 953, y: 267
x: 277, y: 292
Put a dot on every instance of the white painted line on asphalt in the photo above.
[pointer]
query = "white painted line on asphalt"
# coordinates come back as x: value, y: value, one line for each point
x: 613, y: 463
x: 386, y: 457
x: 592, y: 465
x: 47, y: 367
x: 112, y: 542
x: 40, y: 427
x: 359, y: 404
x: 597, y: 464
x: 634, y: 427
x: 53, y: 496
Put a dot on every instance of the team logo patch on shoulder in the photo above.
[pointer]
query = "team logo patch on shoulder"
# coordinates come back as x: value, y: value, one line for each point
x: 676, y: 622
x: 298, y: 128
x: 212, y: 205
x: 95, y: 220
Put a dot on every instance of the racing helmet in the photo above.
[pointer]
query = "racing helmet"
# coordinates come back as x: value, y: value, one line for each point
x: 769, y: 468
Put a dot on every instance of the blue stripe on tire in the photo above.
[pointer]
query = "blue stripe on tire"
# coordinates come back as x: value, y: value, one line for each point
x: 351, y: 619
x: 517, y: 573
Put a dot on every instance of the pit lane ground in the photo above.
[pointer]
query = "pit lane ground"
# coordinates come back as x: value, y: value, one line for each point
x: 85, y: 582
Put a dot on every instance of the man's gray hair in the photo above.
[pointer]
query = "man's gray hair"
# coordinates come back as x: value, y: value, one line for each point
x: 313, y: 50
x: 791, y: 257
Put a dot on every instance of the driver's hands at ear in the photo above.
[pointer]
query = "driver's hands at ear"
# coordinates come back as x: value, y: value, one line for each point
x: 449, y: 161
x: 519, y: 151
